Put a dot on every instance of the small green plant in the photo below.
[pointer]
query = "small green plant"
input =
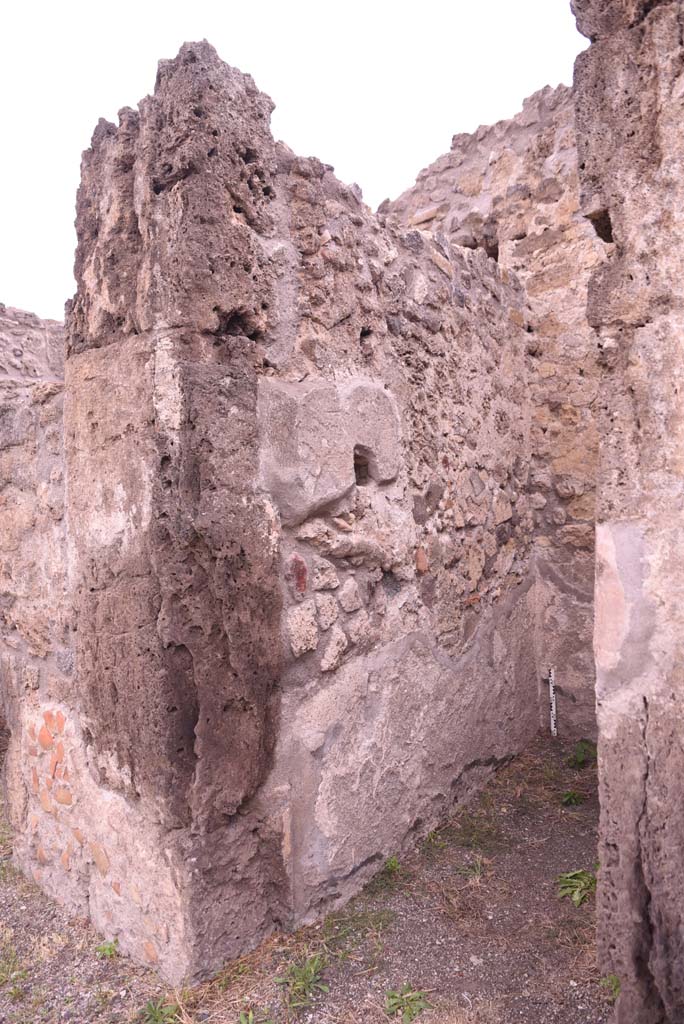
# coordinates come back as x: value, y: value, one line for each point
x: 577, y: 885
x: 611, y: 983
x: 107, y: 950
x: 434, y: 841
x: 392, y: 866
x: 252, y: 1017
x: 231, y: 974
x: 390, y: 875
x: 584, y: 754
x: 16, y: 993
x: 408, y: 1002
x: 474, y: 870
x: 302, y: 981
x: 156, y: 1011
x: 571, y: 798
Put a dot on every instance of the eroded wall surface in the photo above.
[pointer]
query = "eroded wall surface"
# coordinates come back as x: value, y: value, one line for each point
x: 297, y: 543
x: 74, y: 837
x: 629, y: 89
x: 34, y: 648
x: 512, y: 190
x: 36, y: 666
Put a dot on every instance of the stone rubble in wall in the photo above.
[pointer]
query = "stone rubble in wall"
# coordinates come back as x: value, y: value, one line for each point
x: 511, y: 190
x: 303, y: 478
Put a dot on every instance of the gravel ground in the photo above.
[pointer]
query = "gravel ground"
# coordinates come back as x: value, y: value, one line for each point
x: 472, y: 920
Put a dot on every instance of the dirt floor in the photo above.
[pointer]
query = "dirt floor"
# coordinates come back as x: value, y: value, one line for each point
x: 471, y: 924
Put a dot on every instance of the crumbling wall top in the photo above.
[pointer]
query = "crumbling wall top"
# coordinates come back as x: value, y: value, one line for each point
x: 598, y: 18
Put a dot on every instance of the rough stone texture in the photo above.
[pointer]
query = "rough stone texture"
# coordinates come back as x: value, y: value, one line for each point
x: 596, y: 18
x: 298, y: 563
x: 34, y: 647
x: 80, y: 841
x: 629, y: 88
x: 512, y: 190
x: 173, y: 551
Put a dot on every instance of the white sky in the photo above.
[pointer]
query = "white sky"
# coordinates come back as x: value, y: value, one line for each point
x: 375, y: 88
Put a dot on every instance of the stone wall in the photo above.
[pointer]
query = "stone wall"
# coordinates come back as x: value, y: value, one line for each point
x: 629, y: 88
x: 286, y: 555
x: 35, y: 656
x: 78, y: 839
x: 298, y: 534
x: 511, y: 190
x: 34, y: 645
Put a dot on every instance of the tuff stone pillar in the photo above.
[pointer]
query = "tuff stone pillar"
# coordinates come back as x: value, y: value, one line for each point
x: 629, y: 95
x: 172, y: 560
